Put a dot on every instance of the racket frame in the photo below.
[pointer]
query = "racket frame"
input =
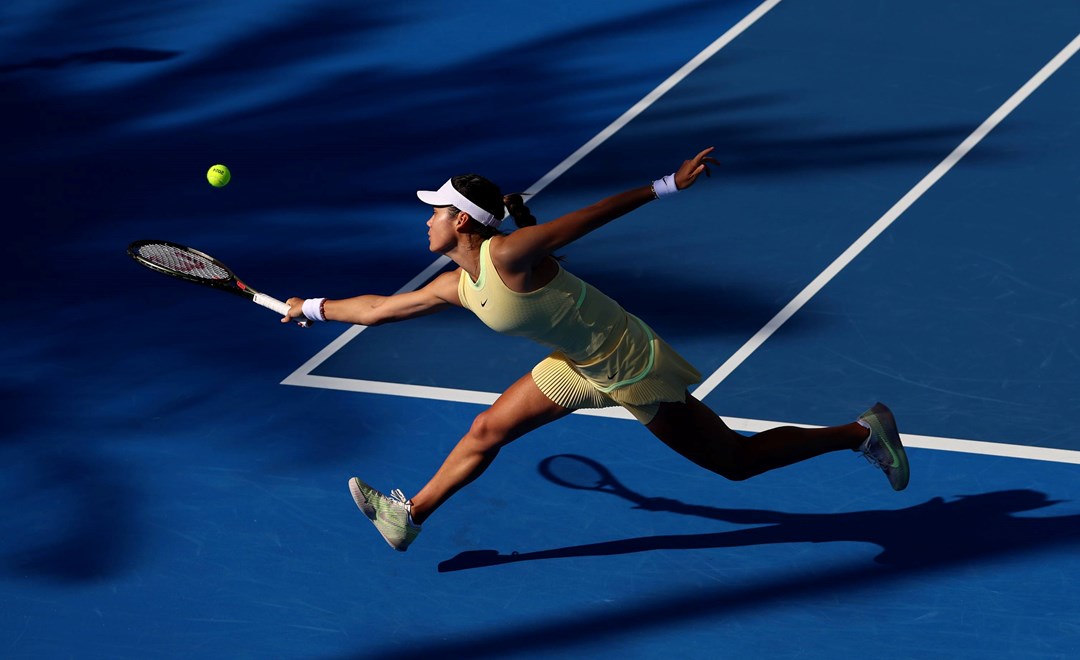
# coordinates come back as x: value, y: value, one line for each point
x: 232, y: 284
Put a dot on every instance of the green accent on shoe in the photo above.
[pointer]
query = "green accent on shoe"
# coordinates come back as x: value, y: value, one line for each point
x: 389, y: 514
x: 884, y: 436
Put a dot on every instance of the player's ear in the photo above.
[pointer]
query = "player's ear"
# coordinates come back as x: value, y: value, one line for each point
x: 461, y: 221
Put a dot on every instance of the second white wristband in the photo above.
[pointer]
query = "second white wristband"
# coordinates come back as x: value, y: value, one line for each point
x: 312, y: 309
x: 665, y: 186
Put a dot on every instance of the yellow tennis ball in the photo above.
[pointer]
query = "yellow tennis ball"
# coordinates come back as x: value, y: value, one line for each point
x: 218, y: 176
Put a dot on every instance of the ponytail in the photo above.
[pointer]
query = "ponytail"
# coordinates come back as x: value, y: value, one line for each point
x: 521, y: 214
x: 523, y: 217
x: 486, y: 195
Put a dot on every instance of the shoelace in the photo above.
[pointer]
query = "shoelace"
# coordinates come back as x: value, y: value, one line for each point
x: 396, y: 494
x: 870, y: 458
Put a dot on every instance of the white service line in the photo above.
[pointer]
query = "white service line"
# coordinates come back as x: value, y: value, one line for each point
x: 737, y: 423
x: 912, y: 440
x: 819, y: 282
x: 396, y: 389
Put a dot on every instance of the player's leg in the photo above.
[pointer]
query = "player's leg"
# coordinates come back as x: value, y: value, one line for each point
x: 520, y: 409
x: 696, y: 432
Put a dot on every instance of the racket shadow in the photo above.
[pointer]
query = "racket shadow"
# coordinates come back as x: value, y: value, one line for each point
x: 932, y: 533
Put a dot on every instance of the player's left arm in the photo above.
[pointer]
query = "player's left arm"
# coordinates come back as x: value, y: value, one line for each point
x: 528, y: 245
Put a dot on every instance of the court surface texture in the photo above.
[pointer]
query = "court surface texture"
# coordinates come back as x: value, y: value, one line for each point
x: 894, y: 218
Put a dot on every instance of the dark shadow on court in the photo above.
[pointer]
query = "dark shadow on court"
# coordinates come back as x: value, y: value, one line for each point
x: 101, y: 56
x: 780, y: 148
x: 931, y: 536
x: 69, y: 516
x: 937, y: 531
x: 735, y: 309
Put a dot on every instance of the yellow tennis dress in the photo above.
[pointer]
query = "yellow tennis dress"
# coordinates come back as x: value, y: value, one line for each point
x: 603, y: 355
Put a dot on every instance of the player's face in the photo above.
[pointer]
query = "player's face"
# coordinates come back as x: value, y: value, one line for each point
x: 442, y: 235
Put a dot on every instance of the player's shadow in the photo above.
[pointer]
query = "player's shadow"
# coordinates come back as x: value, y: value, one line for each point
x: 931, y: 536
x: 935, y: 533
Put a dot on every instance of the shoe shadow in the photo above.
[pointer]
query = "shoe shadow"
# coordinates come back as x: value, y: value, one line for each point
x: 936, y: 532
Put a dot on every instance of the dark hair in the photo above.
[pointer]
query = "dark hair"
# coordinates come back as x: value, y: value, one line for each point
x: 486, y: 195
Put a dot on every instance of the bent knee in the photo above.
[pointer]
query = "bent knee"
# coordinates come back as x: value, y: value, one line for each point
x: 486, y: 434
x: 737, y: 465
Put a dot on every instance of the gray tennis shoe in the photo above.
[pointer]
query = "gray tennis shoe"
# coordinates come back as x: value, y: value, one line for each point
x: 389, y: 514
x: 883, y: 447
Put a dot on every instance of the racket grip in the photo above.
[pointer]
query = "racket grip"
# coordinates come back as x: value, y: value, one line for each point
x: 278, y: 306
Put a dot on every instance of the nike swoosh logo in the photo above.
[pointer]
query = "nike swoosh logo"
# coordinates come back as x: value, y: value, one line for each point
x: 895, y: 457
x: 483, y: 303
x: 892, y: 452
x: 612, y: 376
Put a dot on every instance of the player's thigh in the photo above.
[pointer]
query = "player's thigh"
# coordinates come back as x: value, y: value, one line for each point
x: 520, y: 409
x: 692, y: 427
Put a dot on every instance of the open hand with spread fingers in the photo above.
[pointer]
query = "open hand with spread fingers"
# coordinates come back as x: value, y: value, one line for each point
x: 689, y: 171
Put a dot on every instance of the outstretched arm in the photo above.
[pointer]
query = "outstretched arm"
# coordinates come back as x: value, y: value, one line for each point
x: 528, y: 245
x: 438, y: 294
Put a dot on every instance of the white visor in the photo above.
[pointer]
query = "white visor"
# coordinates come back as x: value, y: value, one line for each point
x: 448, y: 195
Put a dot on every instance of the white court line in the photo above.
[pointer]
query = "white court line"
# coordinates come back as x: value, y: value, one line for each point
x: 883, y: 223
x: 737, y: 423
x: 302, y: 377
x: 933, y: 442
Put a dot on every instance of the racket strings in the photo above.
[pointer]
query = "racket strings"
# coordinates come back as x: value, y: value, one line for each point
x: 182, y: 261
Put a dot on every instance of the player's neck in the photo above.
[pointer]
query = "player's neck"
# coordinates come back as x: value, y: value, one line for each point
x: 467, y: 255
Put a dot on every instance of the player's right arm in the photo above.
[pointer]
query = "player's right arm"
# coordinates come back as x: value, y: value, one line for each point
x: 370, y: 309
x: 522, y: 250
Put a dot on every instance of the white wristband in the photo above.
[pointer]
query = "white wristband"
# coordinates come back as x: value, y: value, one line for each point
x: 665, y: 186
x: 313, y: 309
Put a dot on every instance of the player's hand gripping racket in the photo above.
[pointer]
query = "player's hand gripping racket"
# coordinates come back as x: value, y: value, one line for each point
x: 191, y: 265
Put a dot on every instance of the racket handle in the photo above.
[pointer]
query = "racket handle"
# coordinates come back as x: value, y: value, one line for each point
x: 278, y: 306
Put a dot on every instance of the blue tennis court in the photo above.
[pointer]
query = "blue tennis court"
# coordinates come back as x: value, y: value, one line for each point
x: 893, y: 219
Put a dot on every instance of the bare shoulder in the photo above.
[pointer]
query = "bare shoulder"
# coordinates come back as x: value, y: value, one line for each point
x: 445, y: 287
x: 515, y: 253
x: 497, y: 245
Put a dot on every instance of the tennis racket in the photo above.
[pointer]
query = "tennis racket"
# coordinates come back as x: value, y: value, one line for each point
x: 190, y: 265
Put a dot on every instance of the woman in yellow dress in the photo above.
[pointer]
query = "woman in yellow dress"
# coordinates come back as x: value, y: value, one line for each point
x: 602, y: 356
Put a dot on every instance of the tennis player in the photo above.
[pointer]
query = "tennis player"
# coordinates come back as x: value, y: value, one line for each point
x: 602, y: 356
